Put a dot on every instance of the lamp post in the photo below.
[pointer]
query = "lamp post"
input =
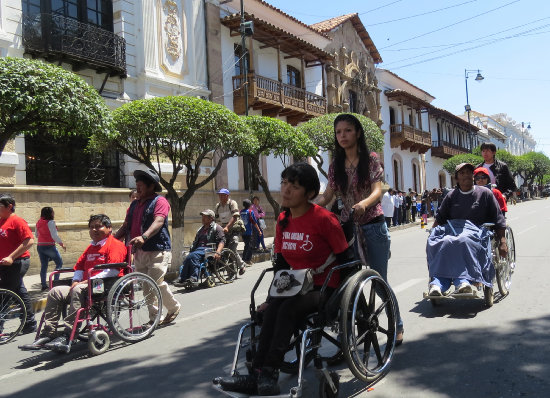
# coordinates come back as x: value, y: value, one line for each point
x: 478, y: 78
x: 522, y: 132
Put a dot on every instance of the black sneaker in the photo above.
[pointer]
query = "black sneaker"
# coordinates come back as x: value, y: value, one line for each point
x: 60, y: 344
x: 38, y: 344
x: 268, y: 382
x: 245, y: 384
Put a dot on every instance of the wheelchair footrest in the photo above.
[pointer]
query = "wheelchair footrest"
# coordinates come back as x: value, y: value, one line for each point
x: 241, y: 395
x: 454, y: 296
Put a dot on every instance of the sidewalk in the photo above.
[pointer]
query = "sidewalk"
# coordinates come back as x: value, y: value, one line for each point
x: 38, y: 297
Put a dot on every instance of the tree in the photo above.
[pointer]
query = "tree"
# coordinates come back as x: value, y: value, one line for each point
x: 541, y: 166
x: 321, y: 131
x: 450, y: 164
x: 36, y: 97
x: 274, y: 137
x: 183, y: 132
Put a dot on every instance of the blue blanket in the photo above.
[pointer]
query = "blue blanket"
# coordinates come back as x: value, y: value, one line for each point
x: 459, y: 249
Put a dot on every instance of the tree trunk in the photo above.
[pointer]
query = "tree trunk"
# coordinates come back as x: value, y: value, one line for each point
x: 263, y: 183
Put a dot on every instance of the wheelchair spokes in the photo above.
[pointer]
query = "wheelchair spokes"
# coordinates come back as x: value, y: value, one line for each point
x: 12, y: 315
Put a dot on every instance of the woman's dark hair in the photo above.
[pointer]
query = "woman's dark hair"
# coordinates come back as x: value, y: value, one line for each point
x: 304, y: 175
x: 6, y: 199
x: 340, y: 176
x: 46, y: 213
x: 103, y: 219
x: 247, y: 203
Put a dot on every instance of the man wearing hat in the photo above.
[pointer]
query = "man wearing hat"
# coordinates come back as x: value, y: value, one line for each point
x: 209, y: 233
x: 227, y: 213
x: 146, y: 229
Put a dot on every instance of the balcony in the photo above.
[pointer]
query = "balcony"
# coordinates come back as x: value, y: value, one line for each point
x: 274, y: 98
x: 409, y: 137
x: 57, y: 38
x: 445, y: 150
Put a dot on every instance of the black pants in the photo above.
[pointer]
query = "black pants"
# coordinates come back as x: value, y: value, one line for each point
x: 413, y: 213
x: 281, y: 318
x: 388, y: 221
x: 11, y: 278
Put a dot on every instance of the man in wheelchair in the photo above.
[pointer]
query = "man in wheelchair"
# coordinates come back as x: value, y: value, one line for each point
x: 306, y: 236
x: 209, y: 234
x: 104, y: 249
x: 458, y: 249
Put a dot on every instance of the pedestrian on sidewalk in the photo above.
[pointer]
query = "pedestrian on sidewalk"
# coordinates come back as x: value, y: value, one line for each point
x: 15, y: 241
x: 355, y: 175
x: 146, y: 227
x: 250, y: 223
x: 260, y: 216
x: 387, y: 206
x: 413, y: 206
x: 46, y: 238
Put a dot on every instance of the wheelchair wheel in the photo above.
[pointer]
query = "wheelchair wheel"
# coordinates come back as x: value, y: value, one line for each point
x: 226, y: 267
x: 369, y: 324
x: 98, y: 342
x: 506, y: 266
x: 134, y: 307
x: 210, y: 281
x: 13, y: 315
x: 489, y: 296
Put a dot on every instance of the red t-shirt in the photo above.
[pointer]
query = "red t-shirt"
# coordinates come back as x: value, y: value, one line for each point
x: 13, y: 231
x: 308, y: 240
x: 162, y: 209
x: 500, y: 199
x: 113, y: 251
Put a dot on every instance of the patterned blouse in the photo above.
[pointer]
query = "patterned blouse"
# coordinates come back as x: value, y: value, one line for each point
x: 354, y: 194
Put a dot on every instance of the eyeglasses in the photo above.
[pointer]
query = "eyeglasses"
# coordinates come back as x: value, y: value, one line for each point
x: 478, y: 178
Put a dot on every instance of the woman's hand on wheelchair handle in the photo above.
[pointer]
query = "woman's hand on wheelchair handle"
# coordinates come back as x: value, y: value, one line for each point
x: 262, y: 307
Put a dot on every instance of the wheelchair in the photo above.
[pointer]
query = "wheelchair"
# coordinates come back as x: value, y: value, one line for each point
x: 225, y: 269
x: 114, y: 307
x: 13, y: 315
x: 503, y: 269
x: 359, y: 319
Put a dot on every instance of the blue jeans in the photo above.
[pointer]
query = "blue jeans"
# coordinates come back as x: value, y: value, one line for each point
x: 192, y: 264
x: 47, y: 254
x: 445, y: 283
x: 377, y: 239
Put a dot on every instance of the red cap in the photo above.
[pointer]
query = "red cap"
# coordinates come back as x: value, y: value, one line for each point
x: 481, y: 170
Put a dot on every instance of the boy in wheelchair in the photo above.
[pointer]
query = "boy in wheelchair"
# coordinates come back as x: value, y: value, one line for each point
x: 104, y: 249
x: 306, y: 236
x: 458, y: 250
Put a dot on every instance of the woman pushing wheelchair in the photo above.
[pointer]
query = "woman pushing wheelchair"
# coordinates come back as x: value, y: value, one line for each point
x: 306, y: 237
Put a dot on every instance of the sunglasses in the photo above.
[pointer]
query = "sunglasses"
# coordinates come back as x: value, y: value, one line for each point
x: 483, y: 177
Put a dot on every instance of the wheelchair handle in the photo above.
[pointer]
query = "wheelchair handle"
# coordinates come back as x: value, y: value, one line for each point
x: 252, y: 301
x: 113, y: 265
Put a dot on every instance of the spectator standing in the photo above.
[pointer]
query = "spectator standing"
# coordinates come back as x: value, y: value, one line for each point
x: 250, y: 223
x: 260, y: 216
x: 387, y: 206
x: 414, y: 208
x: 433, y: 201
x: 15, y: 241
x: 146, y: 227
x: 46, y: 238
x: 227, y: 213
x: 396, y: 208
x: 408, y: 204
x: 499, y: 173
x: 403, y: 208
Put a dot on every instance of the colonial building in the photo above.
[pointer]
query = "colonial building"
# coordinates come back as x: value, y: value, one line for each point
x: 519, y: 139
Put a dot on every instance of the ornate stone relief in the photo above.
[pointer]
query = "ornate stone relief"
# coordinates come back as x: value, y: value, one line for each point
x: 172, y: 29
x: 172, y: 40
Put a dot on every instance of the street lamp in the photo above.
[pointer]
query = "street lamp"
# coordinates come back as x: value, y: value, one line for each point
x: 478, y: 78
x: 522, y: 131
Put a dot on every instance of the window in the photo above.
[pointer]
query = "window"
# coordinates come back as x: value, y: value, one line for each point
x: 240, y: 60
x: 353, y: 105
x: 92, y: 12
x: 415, y: 178
x: 396, y: 174
x: 294, y: 77
x: 63, y: 161
x: 392, y: 116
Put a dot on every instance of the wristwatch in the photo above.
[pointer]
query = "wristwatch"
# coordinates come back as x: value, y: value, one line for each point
x: 144, y: 237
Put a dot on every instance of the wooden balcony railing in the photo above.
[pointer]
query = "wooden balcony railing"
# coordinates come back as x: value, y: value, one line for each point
x: 409, y: 137
x: 276, y: 98
x: 444, y: 149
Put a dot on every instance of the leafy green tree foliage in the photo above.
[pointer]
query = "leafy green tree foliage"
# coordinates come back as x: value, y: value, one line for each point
x: 36, y: 97
x: 321, y: 132
x: 185, y: 132
x: 450, y: 164
x: 540, y: 166
x: 278, y: 138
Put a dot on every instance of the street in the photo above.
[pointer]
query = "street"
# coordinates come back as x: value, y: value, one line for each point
x: 458, y: 349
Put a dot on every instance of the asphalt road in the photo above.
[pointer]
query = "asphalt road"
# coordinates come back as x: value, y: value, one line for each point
x: 458, y: 349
